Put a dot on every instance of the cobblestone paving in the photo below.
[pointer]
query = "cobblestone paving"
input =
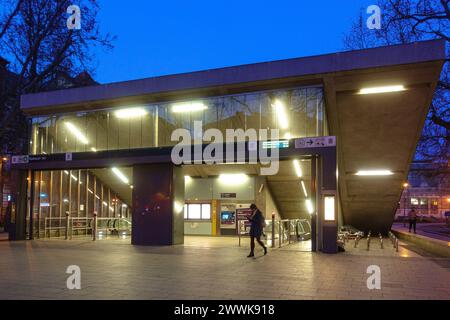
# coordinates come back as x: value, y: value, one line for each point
x: 214, y: 268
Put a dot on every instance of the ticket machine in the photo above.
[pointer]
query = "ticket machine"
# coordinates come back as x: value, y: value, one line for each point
x: 228, y: 220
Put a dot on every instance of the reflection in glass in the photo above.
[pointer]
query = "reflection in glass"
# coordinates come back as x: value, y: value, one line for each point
x: 295, y: 112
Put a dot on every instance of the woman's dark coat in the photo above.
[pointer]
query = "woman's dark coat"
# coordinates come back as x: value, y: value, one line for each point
x: 257, y: 219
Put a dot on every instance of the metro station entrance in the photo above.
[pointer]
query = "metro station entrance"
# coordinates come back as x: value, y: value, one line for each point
x: 143, y: 194
x: 218, y: 199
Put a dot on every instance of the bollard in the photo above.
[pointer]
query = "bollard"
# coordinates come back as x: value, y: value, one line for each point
x: 239, y: 232
x: 289, y: 232
x: 356, y: 241
x: 67, y: 226
x: 396, y: 245
x: 94, y: 227
x: 273, y: 230
x: 280, y: 235
x: 368, y: 244
x: 381, y: 241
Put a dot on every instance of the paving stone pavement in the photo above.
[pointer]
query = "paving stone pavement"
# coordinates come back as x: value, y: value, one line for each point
x: 214, y: 268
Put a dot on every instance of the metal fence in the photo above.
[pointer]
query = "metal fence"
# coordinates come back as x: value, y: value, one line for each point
x: 284, y: 231
x: 96, y: 227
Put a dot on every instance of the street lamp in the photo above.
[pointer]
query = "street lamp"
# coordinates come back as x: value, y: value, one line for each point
x: 405, y: 190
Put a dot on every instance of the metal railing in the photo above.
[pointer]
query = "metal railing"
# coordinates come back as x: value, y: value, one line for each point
x: 285, y: 231
x: 67, y: 226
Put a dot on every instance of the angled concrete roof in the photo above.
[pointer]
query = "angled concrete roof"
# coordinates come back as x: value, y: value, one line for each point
x: 232, y: 79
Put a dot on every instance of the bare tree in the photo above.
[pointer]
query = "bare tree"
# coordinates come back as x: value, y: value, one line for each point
x: 35, y: 37
x: 405, y: 21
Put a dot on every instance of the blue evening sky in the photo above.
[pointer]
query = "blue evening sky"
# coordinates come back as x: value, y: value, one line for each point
x: 165, y: 37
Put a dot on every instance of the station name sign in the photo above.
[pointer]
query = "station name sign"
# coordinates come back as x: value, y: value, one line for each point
x: 28, y: 159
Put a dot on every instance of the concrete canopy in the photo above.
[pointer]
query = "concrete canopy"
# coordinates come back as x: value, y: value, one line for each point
x: 377, y: 131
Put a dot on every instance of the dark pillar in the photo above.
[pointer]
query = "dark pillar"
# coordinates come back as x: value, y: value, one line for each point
x: 329, y: 187
x: 315, y: 204
x: 17, y: 207
x: 158, y: 204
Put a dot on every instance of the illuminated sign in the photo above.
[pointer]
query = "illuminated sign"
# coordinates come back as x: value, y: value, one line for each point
x: 281, y: 144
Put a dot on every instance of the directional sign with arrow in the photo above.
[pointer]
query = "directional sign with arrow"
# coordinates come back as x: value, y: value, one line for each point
x: 315, y: 142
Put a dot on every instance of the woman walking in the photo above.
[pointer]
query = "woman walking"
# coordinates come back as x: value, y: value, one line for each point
x: 256, y: 230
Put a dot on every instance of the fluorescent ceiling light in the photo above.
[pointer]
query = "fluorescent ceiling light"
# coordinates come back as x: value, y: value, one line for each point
x: 376, y: 90
x: 304, y: 189
x: 374, y: 173
x: 187, y: 179
x: 281, y: 114
x: 288, y: 136
x: 298, y: 169
x: 121, y: 176
x: 93, y: 149
x: 233, y: 179
x: 130, y: 113
x: 73, y: 177
x: 188, y: 107
x: 309, y: 206
x: 77, y: 133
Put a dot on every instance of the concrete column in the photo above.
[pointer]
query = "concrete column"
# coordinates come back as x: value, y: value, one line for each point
x: 158, y: 204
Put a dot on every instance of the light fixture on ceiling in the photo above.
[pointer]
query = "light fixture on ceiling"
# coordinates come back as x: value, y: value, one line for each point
x: 130, y: 113
x: 386, y: 89
x: 280, y: 109
x: 120, y: 175
x: 374, y: 173
x: 298, y: 169
x: 185, y: 107
x: 233, y: 179
x: 304, y: 189
x: 77, y: 133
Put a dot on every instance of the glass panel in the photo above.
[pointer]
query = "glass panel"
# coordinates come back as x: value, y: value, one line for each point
x: 297, y: 112
x: 206, y: 211
x: 194, y: 211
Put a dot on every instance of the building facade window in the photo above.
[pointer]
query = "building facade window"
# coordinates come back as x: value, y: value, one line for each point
x: 297, y: 112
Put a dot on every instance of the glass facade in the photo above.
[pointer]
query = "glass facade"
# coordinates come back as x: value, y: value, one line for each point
x: 297, y: 112
x: 77, y: 194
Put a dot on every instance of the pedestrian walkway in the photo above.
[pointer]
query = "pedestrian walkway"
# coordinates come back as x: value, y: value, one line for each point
x: 213, y: 268
x: 4, y: 236
x: 439, y: 231
x: 429, y: 237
